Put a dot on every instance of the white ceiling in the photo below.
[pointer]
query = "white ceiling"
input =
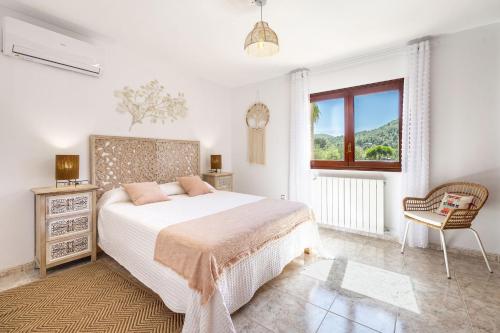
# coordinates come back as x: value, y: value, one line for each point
x: 207, y: 36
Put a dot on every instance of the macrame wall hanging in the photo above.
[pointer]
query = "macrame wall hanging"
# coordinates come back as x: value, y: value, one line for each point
x: 257, y: 119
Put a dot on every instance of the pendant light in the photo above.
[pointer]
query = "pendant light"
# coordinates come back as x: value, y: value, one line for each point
x: 262, y: 41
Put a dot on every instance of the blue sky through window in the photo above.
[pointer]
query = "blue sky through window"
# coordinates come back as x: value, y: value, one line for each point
x: 374, y: 110
x: 371, y: 111
x: 331, y: 119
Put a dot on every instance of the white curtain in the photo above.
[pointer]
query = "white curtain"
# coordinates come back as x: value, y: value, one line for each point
x: 415, y: 141
x: 299, y: 184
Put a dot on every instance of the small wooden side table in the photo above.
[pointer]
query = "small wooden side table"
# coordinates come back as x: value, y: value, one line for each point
x: 222, y: 181
x: 65, y: 225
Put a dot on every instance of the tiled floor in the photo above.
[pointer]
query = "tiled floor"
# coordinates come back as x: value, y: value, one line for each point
x: 368, y: 287
x: 371, y: 287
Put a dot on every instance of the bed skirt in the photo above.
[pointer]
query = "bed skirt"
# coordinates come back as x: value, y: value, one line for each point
x: 236, y: 286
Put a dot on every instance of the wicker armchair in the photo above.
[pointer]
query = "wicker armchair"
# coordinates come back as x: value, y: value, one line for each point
x: 422, y: 210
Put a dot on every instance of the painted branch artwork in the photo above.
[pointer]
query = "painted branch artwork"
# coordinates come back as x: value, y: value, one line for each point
x: 150, y: 102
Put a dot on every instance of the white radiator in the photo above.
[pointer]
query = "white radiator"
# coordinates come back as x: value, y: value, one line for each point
x: 349, y: 203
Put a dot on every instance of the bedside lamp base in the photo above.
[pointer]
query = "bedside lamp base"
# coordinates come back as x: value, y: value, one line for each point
x: 71, y: 182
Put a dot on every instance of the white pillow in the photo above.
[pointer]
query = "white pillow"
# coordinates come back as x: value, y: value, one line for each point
x: 210, y: 187
x: 112, y: 196
x: 453, y: 201
x: 174, y: 188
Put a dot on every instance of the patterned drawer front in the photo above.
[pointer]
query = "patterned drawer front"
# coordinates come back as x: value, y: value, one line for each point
x: 224, y: 188
x: 67, y: 248
x: 224, y: 182
x: 66, y: 226
x: 68, y: 204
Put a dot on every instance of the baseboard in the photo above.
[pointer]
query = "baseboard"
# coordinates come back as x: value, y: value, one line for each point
x: 493, y: 257
x: 28, y: 267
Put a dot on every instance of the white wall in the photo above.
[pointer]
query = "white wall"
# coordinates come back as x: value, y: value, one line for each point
x: 465, y: 120
x: 465, y: 124
x: 272, y: 178
x: 46, y: 111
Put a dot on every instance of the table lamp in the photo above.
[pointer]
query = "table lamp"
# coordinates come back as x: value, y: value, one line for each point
x: 67, y: 169
x: 215, y: 162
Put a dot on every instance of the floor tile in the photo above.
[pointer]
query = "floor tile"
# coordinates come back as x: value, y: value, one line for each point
x: 390, y: 262
x: 282, y: 312
x: 365, y: 310
x: 487, y: 291
x: 243, y: 324
x: 336, y: 324
x: 438, y: 306
x: 473, y: 266
x: 424, y: 260
x: 438, y: 289
x: 481, y: 276
x: 327, y: 270
x: 375, y: 282
x: 427, y: 269
x: 485, y: 317
x: 307, y: 288
x: 341, y: 247
x: 408, y: 322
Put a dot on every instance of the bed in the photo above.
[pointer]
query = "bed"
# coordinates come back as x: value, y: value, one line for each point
x: 127, y: 233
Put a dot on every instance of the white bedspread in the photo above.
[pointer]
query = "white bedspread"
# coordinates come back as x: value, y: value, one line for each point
x: 128, y: 234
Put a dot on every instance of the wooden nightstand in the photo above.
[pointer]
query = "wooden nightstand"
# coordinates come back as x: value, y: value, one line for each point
x: 65, y: 225
x: 222, y: 181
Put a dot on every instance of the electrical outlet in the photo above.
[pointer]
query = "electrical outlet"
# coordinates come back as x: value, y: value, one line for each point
x: 283, y: 197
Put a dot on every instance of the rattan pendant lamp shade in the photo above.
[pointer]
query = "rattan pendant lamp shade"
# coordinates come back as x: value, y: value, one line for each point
x: 262, y: 41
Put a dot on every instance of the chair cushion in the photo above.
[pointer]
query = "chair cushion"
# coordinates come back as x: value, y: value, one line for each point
x: 453, y: 201
x: 427, y: 217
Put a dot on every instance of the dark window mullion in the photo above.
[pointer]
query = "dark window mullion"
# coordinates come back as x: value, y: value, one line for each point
x: 349, y: 129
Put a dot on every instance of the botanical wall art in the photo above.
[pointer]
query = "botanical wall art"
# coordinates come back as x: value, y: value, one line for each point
x: 151, y: 102
x: 257, y: 118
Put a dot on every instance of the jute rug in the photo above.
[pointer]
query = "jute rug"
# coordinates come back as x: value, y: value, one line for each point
x: 91, y: 298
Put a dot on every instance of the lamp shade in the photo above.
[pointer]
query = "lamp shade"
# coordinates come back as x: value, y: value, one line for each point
x: 67, y: 167
x: 262, y: 41
x: 215, y: 161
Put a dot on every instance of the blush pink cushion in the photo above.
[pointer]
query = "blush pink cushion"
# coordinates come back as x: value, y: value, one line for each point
x: 193, y: 185
x: 144, y: 193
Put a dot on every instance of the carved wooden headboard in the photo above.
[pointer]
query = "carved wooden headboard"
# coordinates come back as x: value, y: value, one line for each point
x: 116, y: 160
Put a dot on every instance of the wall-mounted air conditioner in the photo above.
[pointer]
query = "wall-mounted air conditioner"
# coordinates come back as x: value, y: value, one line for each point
x: 30, y: 42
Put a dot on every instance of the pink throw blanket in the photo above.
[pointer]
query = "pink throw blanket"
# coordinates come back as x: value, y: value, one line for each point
x: 200, y: 249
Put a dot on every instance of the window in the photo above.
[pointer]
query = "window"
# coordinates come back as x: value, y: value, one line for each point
x: 358, y: 128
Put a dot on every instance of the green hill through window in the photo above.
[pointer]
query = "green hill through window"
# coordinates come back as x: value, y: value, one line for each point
x: 379, y: 144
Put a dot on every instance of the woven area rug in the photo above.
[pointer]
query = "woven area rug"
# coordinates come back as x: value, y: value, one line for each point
x: 90, y: 298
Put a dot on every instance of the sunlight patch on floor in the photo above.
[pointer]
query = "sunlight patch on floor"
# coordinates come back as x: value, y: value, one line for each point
x: 380, y: 284
x: 370, y: 281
